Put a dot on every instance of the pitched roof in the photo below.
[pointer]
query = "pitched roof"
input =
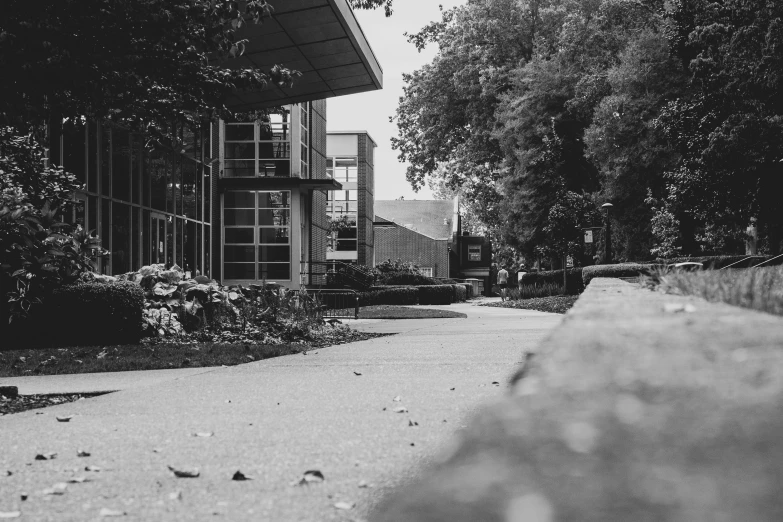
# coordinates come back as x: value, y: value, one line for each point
x: 433, y: 218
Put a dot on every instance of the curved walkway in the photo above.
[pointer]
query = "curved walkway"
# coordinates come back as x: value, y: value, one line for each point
x: 272, y: 420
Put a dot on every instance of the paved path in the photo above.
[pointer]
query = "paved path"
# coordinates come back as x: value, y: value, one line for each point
x: 272, y: 420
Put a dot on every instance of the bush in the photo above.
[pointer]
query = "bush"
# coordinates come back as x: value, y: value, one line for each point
x: 531, y: 291
x: 436, y: 295
x: 625, y: 270
x: 574, y: 284
x: 460, y: 292
x: 406, y: 278
x: 468, y: 289
x: 94, y: 313
x: 403, y: 295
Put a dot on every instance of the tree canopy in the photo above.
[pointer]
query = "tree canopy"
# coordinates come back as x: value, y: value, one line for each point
x: 669, y: 110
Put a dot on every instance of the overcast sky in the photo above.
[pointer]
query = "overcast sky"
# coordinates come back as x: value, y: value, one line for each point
x: 371, y: 111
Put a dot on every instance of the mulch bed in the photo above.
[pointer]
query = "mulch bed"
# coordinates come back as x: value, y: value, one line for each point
x: 558, y: 304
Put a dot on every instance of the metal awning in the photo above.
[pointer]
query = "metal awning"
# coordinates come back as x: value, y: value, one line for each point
x: 319, y: 38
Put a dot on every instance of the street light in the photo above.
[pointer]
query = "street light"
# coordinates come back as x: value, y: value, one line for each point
x: 607, y: 234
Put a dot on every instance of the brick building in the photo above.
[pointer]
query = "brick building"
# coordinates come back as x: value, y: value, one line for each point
x: 350, y: 161
x: 240, y: 202
x: 429, y: 234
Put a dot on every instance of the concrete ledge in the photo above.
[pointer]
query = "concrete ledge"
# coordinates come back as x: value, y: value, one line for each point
x: 632, y: 410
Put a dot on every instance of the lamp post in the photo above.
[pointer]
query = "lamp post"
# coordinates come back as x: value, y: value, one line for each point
x: 607, y: 234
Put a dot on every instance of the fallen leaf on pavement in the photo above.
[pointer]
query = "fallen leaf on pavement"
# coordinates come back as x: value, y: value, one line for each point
x: 82, y: 453
x: 66, y: 418
x: 92, y: 468
x: 674, y: 308
x: 10, y: 514
x: 184, y: 473
x: 400, y: 409
x: 452, y: 389
x: 240, y: 476
x: 177, y: 495
x: 46, y: 456
x: 397, y: 399
x: 204, y: 434
x: 345, y: 505
x: 308, y: 477
x: 496, y: 383
x: 411, y: 423
x: 101, y: 355
x: 356, y: 373
x: 106, y: 512
x: 78, y: 480
x: 56, y: 489
x: 364, y: 484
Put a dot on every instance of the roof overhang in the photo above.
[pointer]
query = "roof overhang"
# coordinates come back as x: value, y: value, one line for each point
x: 278, y: 184
x: 319, y: 38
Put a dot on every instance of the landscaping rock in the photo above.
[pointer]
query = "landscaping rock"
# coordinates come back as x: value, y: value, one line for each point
x: 627, y: 412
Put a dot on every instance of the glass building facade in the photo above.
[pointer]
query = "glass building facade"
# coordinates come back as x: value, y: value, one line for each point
x: 147, y: 206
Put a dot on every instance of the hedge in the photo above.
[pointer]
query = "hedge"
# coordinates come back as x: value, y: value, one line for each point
x: 574, y: 284
x: 406, y: 278
x: 460, y: 292
x: 623, y: 270
x: 87, y: 314
x: 401, y: 295
x: 436, y: 295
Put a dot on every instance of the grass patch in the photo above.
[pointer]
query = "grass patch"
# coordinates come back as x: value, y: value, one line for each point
x: 91, y: 359
x: 558, y: 304
x: 756, y: 288
x: 403, y: 312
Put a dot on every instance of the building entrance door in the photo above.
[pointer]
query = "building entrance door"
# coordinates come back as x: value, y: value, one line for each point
x: 159, y: 246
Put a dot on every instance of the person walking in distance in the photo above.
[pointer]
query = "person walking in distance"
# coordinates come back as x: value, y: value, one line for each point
x: 502, y: 282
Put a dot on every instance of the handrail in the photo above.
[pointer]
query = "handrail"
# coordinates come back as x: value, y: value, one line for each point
x: 738, y: 262
x: 767, y: 261
x: 358, y: 276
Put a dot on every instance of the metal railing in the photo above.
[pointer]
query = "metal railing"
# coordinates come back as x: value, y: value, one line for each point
x: 336, y: 274
x: 337, y: 303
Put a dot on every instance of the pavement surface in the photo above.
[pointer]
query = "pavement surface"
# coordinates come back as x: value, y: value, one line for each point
x: 331, y: 410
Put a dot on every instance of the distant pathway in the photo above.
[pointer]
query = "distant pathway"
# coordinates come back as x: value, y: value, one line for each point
x: 272, y: 420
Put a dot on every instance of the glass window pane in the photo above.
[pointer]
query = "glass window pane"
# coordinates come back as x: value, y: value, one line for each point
x: 237, y: 199
x: 92, y: 157
x: 274, y: 200
x: 75, y: 151
x: 157, y: 168
x: 240, y: 132
x: 242, y: 254
x: 239, y: 235
x: 272, y: 271
x: 239, y: 270
x: 274, y: 253
x: 207, y: 196
x: 273, y: 150
x: 353, y: 195
x: 240, y: 151
x: 134, y: 239
x: 346, y: 244
x: 346, y: 162
x: 352, y: 175
x: 272, y: 235
x: 207, y: 252
x: 105, y: 160
x: 189, y: 188
x: 274, y: 217
x: 274, y: 168
x: 239, y: 217
x: 189, y: 247
x: 240, y: 169
x: 348, y: 233
x: 274, y: 132
x: 120, y: 164
x: 136, y: 162
x: 105, y: 232
x: 180, y: 243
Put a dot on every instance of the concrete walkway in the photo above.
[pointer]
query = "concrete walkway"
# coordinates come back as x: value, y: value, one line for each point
x: 272, y: 420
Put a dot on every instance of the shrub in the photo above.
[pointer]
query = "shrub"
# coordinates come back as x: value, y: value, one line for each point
x: 406, y: 278
x: 460, y: 293
x: 403, y: 295
x: 530, y: 291
x: 436, y: 295
x: 574, y: 283
x: 95, y: 313
x: 625, y: 270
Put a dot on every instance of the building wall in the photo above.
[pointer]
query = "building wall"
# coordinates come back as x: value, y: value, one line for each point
x: 398, y: 242
x: 319, y: 225
x: 366, y: 212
